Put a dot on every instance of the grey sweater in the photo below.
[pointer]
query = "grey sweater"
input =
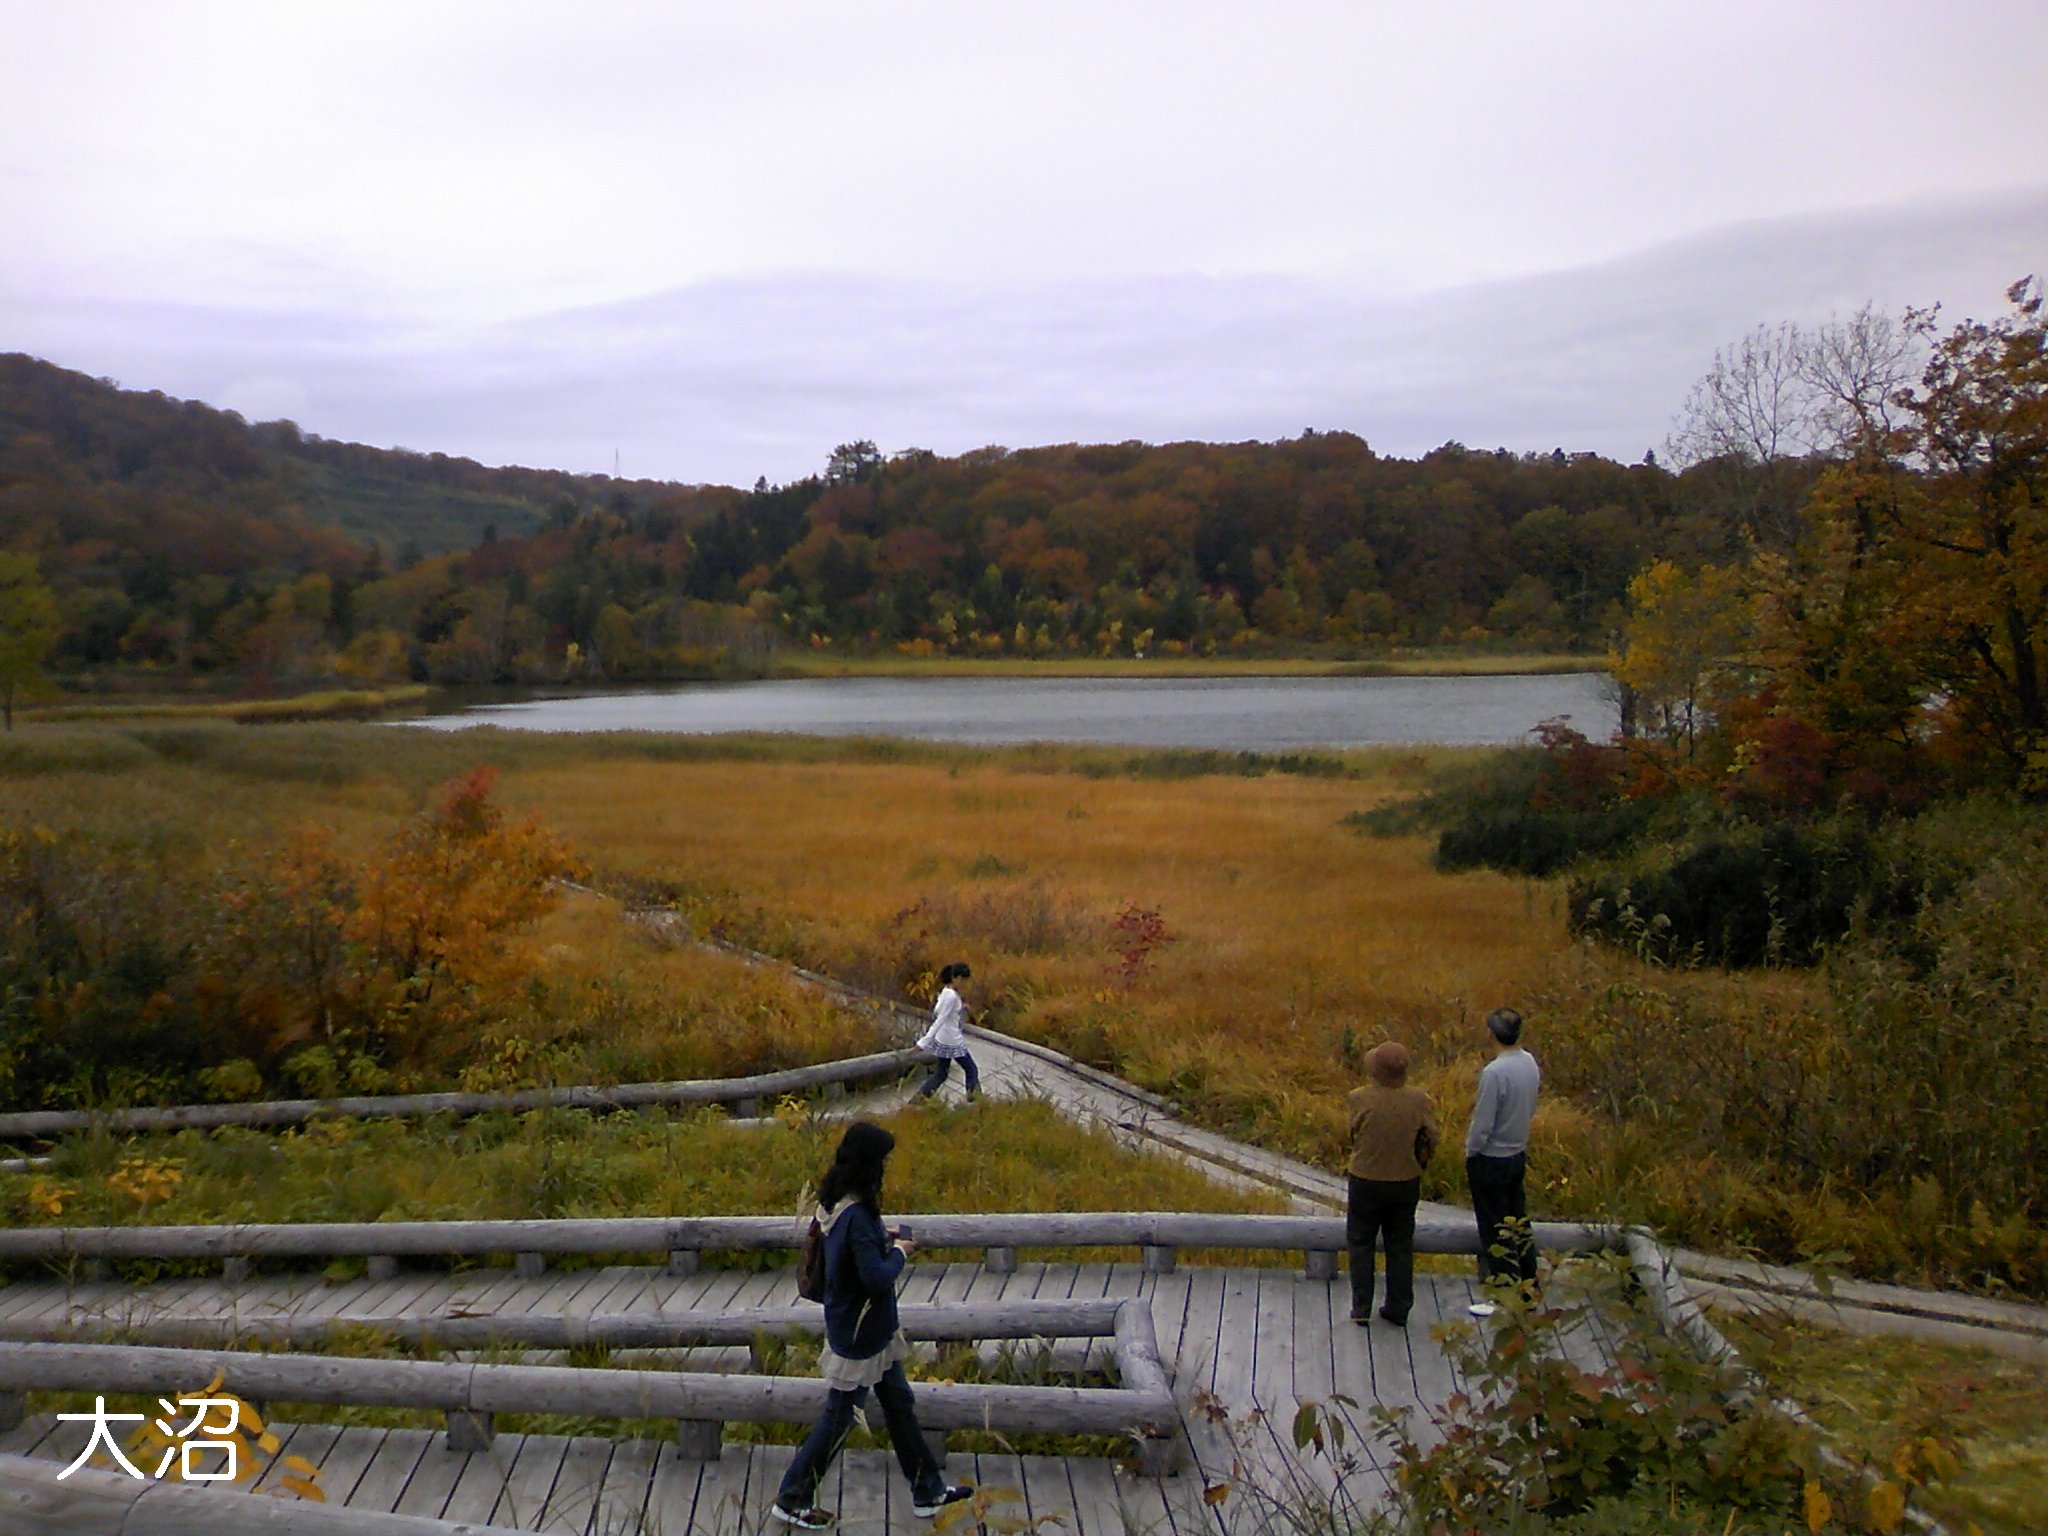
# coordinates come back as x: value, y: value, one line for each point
x: 1507, y: 1100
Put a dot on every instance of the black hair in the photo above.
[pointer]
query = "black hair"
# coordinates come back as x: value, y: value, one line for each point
x: 1506, y: 1025
x: 960, y: 970
x: 857, y: 1167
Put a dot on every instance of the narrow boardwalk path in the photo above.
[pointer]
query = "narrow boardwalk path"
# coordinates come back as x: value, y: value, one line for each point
x: 1252, y: 1344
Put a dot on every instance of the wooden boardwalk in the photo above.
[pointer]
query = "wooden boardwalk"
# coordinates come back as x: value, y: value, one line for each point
x: 1251, y: 1344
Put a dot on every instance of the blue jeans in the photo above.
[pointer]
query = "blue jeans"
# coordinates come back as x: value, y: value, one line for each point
x: 800, y: 1483
x: 943, y: 1066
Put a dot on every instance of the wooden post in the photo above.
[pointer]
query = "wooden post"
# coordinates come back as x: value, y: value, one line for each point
x: 682, y: 1262
x: 529, y: 1266
x: 747, y: 1109
x: 1320, y: 1263
x: 382, y: 1266
x: 1159, y: 1258
x: 1160, y: 1457
x: 469, y: 1431
x: 1000, y: 1261
x: 699, y: 1439
x: 13, y: 1409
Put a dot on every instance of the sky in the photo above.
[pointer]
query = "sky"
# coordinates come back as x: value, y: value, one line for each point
x: 708, y: 242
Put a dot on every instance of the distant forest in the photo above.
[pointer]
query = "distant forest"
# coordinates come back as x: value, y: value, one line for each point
x: 183, y: 544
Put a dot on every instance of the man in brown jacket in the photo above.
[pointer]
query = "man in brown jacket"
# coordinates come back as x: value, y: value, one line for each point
x: 1393, y: 1134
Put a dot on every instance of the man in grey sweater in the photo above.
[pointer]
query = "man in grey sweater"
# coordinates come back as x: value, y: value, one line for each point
x: 1497, y: 1155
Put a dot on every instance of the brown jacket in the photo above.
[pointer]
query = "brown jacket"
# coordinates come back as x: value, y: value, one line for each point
x: 1393, y: 1133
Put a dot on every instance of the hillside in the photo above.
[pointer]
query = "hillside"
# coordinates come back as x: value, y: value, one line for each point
x: 183, y: 544
x: 89, y: 432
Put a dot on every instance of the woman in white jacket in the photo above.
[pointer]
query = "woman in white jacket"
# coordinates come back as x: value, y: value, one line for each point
x: 946, y: 1039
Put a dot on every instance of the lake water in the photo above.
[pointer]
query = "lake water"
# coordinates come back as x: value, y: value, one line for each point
x: 1248, y: 714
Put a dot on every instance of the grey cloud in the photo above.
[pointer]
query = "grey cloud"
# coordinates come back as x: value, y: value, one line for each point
x: 725, y: 381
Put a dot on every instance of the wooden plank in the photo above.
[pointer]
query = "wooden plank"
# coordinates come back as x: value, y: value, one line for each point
x: 622, y: 1510
x: 481, y: 1480
x: 1048, y: 1493
x: 31, y: 1298
x: 672, y: 1492
x: 1098, y: 1508
x: 383, y: 1481
x: 529, y: 1480
x: 347, y: 1459
x: 734, y: 1491
x: 579, y: 1486
x: 949, y: 1288
x: 435, y: 1478
x: 1317, y: 1316
x: 1236, y: 1340
x: 1272, y: 1368
x: 23, y: 1439
x: 856, y: 1485
x: 311, y: 1442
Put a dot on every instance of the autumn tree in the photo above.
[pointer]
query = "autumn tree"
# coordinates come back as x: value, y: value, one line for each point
x: 1968, y: 536
x: 28, y: 629
x: 1683, y: 647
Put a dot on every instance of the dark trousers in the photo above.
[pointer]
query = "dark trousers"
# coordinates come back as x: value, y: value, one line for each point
x: 1497, y: 1195
x: 800, y: 1483
x: 1383, y: 1210
x: 942, y: 1067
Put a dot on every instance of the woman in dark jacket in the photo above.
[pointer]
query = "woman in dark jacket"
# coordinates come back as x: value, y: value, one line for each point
x: 864, y: 1346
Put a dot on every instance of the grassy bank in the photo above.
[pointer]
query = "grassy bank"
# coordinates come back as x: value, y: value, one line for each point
x: 325, y: 704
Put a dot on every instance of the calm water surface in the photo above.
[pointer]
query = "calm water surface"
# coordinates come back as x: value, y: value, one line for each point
x: 1239, y: 714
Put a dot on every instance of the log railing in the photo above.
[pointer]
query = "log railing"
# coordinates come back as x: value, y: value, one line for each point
x: 471, y: 1394
x: 1159, y: 1235
x: 745, y: 1094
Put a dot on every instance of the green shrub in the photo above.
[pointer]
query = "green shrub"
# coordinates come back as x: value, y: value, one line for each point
x: 1538, y: 1442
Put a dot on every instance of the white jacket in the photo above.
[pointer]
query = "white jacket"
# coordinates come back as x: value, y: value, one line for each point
x: 946, y: 1037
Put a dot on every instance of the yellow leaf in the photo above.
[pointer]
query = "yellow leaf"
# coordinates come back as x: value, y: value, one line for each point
x: 303, y: 1489
x: 1887, y: 1506
x: 300, y: 1465
x: 268, y: 1443
x: 1215, y: 1494
x: 1817, y: 1508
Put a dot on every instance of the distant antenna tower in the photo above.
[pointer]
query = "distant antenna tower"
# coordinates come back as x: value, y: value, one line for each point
x: 615, y: 463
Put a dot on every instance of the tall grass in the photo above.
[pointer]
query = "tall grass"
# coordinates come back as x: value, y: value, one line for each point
x: 1009, y: 1156
x: 1295, y: 946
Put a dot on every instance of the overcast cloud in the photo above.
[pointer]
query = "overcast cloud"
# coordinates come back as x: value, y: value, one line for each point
x: 716, y: 240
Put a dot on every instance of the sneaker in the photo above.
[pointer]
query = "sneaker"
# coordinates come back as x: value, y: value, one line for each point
x: 1481, y: 1309
x: 925, y: 1509
x: 811, y: 1519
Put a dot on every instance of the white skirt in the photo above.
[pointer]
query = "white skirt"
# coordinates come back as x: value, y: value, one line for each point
x: 844, y: 1375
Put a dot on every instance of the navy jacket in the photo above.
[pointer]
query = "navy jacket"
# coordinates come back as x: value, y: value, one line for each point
x: 861, y: 1266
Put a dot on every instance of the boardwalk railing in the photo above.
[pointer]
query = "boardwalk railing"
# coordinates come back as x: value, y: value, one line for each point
x: 1159, y: 1235
x: 745, y: 1094
x: 471, y: 1394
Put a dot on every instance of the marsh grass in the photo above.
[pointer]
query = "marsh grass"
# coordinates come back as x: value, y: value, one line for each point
x: 1884, y: 1399
x: 1296, y: 944
x: 994, y: 1156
